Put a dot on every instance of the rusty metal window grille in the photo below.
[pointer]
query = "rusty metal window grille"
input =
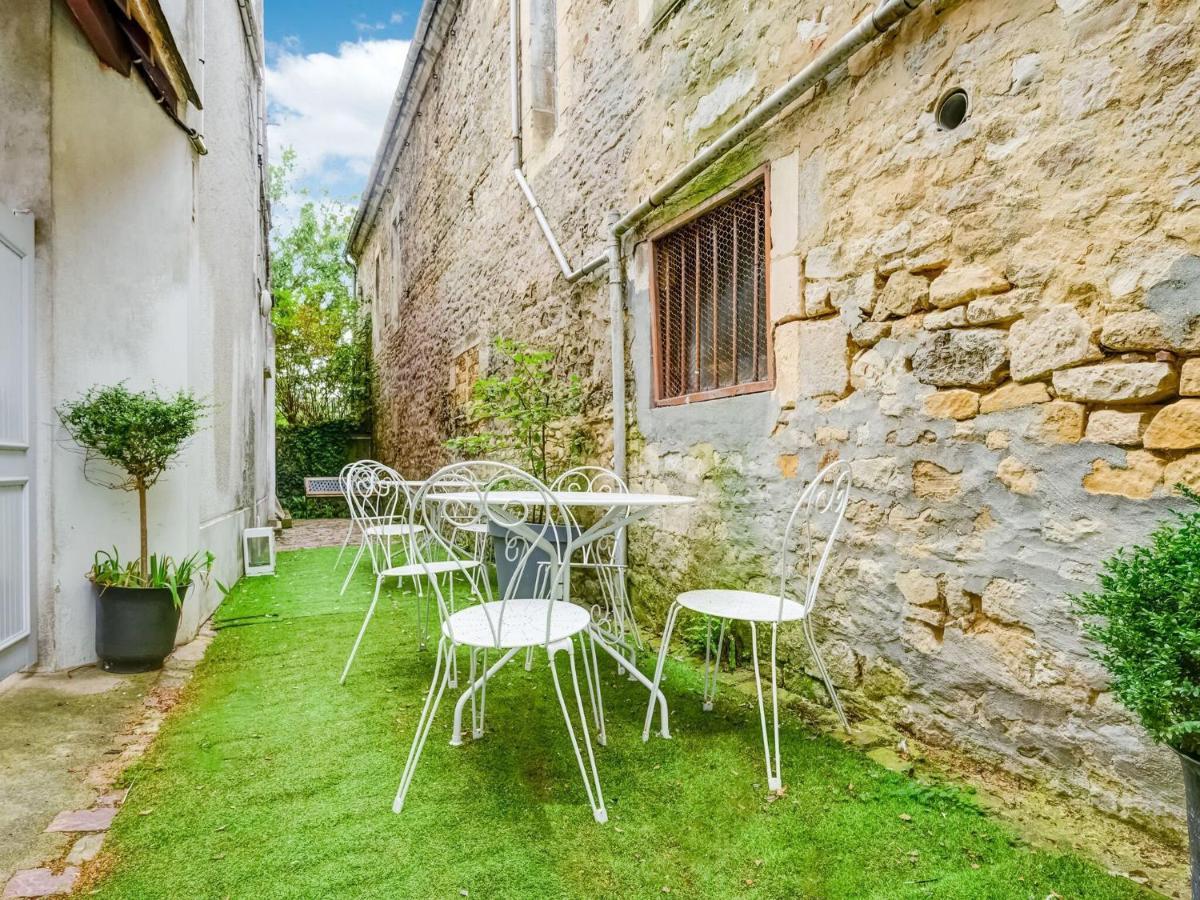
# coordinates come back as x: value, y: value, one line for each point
x: 711, y: 322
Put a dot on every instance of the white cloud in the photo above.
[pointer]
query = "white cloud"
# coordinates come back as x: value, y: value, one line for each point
x: 331, y: 108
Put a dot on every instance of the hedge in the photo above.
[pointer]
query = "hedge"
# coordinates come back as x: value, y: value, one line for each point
x: 308, y: 450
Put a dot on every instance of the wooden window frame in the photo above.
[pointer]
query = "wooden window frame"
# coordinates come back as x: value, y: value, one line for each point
x: 762, y: 174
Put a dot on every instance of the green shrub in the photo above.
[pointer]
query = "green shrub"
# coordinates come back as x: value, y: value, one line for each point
x: 1146, y: 619
x: 309, y: 450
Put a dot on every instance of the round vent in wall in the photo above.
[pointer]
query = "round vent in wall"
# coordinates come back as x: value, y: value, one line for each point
x: 952, y: 109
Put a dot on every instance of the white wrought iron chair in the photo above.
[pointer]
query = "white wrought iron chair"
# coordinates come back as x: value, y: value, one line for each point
x: 364, y: 500
x: 614, y: 615
x: 382, y: 495
x: 808, y: 540
x: 344, y: 481
x: 513, y: 623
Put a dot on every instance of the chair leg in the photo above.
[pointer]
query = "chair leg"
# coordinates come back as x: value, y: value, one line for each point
x: 469, y: 693
x: 477, y: 724
x: 529, y: 660
x: 354, y: 566
x: 824, y: 673
x: 595, y: 798
x: 346, y: 540
x: 436, y: 688
x: 361, y: 631
x: 672, y: 615
x: 591, y: 671
x: 773, y: 780
x: 710, y: 677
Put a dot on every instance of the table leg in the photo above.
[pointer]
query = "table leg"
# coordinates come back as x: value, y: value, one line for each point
x: 637, y: 676
x: 456, y: 737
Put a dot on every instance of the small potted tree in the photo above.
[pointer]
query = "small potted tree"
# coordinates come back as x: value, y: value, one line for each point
x: 1145, y: 619
x: 128, y: 439
x: 529, y: 414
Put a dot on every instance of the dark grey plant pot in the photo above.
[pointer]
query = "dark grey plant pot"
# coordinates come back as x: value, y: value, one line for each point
x: 1191, y: 784
x: 509, y: 550
x: 135, y: 627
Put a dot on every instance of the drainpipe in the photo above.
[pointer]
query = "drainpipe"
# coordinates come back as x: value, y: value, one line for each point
x: 616, y: 324
x: 514, y: 83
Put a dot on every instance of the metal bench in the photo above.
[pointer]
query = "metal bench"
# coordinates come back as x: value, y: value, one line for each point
x: 323, y: 486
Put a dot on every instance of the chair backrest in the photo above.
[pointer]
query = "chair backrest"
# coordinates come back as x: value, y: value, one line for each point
x: 379, y: 498
x: 810, y: 534
x: 530, y: 522
x: 344, y: 482
x: 595, y: 479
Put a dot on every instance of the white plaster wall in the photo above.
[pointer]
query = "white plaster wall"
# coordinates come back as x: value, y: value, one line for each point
x: 150, y: 269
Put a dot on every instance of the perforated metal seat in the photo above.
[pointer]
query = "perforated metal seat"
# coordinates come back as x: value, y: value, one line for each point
x: 522, y: 623
x: 748, y: 606
x: 414, y: 570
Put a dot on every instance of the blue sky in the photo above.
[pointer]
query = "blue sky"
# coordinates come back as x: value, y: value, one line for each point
x: 314, y: 25
x: 332, y: 68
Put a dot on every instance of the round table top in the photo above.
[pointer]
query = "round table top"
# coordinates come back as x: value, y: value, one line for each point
x: 566, y: 498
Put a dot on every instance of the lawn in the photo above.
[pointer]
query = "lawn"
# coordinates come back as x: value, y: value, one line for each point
x: 271, y: 780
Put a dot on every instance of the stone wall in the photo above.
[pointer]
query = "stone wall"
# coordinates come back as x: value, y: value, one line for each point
x: 997, y: 325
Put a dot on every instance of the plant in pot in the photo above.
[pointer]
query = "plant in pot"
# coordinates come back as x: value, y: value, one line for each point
x: 129, y: 438
x: 1145, y: 620
x: 529, y: 413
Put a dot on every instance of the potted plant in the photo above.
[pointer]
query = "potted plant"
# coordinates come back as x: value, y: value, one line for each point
x: 526, y: 412
x: 137, y: 434
x: 1145, y: 619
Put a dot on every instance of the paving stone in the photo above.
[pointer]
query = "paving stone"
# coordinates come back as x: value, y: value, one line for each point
x: 83, y: 820
x: 86, y: 848
x: 41, y: 883
x: 114, y: 798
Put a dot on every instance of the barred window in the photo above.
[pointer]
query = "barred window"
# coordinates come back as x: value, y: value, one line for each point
x: 711, y: 326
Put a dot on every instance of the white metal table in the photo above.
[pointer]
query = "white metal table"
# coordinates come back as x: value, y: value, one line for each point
x: 618, y: 510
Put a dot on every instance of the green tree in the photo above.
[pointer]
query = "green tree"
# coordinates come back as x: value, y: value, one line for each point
x: 322, y: 330
x: 527, y: 411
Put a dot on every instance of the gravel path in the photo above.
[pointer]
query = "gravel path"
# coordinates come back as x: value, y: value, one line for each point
x: 306, y: 533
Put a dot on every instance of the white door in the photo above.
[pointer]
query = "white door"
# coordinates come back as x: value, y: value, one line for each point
x: 18, y: 646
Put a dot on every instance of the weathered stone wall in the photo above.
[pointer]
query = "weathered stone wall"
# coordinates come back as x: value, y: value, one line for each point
x: 997, y: 325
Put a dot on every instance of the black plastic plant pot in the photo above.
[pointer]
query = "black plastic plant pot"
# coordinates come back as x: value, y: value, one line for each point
x: 510, y: 550
x: 135, y: 627
x: 1191, y: 783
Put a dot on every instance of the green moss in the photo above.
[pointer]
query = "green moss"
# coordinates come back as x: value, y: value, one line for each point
x: 725, y: 172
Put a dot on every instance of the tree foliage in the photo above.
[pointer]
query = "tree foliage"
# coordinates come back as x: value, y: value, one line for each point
x: 322, y: 330
x: 1146, y: 620
x: 139, y: 432
x: 527, y: 410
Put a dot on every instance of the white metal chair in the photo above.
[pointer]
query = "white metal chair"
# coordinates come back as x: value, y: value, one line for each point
x: 379, y: 493
x: 513, y: 623
x: 344, y: 481
x: 604, y: 557
x: 366, y: 514
x: 808, y: 540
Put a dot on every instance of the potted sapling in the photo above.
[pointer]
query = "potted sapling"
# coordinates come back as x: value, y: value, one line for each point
x: 527, y: 413
x: 129, y: 438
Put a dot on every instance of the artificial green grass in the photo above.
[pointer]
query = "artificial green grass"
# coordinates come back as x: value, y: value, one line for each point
x: 271, y: 780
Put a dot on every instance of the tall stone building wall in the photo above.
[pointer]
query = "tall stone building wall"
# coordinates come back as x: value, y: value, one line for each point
x: 998, y: 325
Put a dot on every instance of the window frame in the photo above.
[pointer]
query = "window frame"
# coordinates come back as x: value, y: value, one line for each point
x: 742, y: 185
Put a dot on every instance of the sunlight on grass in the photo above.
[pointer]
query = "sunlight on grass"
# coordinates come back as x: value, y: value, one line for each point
x: 271, y: 780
